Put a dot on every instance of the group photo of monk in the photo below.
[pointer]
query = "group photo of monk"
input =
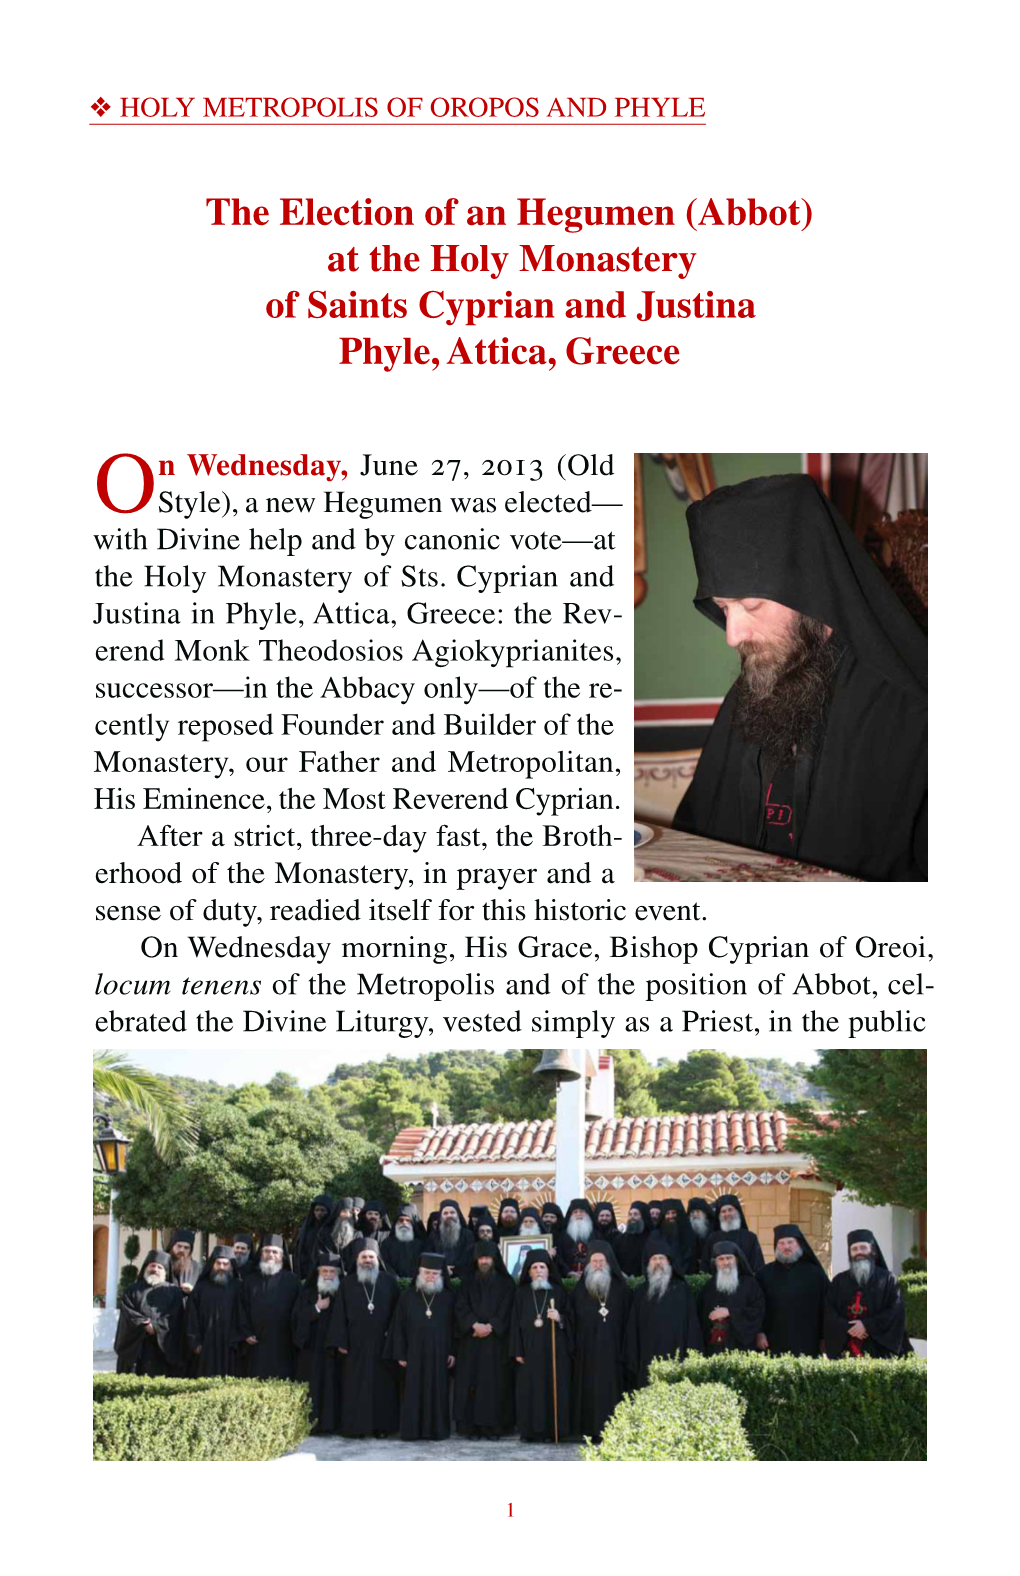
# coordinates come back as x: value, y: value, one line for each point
x: 478, y: 1300
x: 781, y: 681
x: 466, y: 1347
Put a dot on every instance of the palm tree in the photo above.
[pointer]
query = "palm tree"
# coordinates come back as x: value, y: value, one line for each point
x: 167, y: 1116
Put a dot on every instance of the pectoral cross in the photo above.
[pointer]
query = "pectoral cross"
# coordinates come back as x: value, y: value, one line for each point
x: 856, y: 1310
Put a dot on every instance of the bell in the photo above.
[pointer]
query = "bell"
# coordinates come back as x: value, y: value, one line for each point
x: 556, y: 1066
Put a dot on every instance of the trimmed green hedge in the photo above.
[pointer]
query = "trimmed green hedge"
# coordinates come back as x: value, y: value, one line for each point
x: 915, y: 1304
x: 811, y: 1409
x: 675, y: 1422
x: 137, y: 1419
x: 914, y: 1262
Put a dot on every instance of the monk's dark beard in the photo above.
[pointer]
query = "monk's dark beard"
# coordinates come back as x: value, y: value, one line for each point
x: 343, y: 1233
x: 219, y: 1277
x: 783, y: 691
x: 449, y: 1233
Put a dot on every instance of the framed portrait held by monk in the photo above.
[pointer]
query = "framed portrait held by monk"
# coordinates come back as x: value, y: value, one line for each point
x: 516, y: 1249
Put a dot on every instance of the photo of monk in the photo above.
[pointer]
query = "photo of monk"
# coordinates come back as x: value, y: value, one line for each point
x: 814, y: 761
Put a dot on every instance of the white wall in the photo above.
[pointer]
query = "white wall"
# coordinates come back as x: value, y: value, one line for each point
x: 895, y: 1229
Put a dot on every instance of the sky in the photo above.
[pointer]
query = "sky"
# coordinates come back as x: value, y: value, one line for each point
x: 312, y: 1064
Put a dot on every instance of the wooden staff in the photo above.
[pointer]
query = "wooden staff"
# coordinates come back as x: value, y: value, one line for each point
x: 556, y: 1398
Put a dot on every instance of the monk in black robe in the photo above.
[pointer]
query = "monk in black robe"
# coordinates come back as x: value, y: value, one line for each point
x: 373, y: 1221
x: 531, y: 1223
x: 542, y: 1315
x: 703, y: 1223
x: 485, y: 1228
x: 819, y: 751
x: 244, y: 1254
x: 403, y: 1247
x: 573, y: 1240
x: 553, y: 1218
x: 184, y: 1267
x: 734, y: 1228
x: 452, y: 1240
x: 629, y: 1244
x: 312, y: 1236
x: 358, y: 1329
x: 601, y: 1308
x: 795, y: 1287
x: 605, y: 1219
x: 339, y: 1232
x: 732, y: 1306
x: 150, y: 1329
x: 675, y: 1230
x: 508, y: 1217
x: 663, y: 1318
x: 483, y: 1397
x: 864, y: 1313
x: 267, y: 1304
x: 421, y: 1341
x: 213, y: 1327
x: 318, y: 1363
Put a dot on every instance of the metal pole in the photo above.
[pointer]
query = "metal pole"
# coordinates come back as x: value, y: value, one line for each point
x: 112, y: 1254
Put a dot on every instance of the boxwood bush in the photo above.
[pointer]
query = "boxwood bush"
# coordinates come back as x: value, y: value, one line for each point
x: 137, y: 1419
x: 914, y: 1262
x: 915, y: 1303
x: 675, y: 1422
x: 810, y: 1409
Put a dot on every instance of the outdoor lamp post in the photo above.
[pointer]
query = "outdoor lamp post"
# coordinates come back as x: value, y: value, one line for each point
x: 111, y: 1149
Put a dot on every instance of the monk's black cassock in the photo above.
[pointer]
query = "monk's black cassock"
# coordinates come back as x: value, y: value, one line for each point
x: 358, y: 1328
x: 679, y: 1234
x: 267, y: 1302
x: 421, y: 1336
x: 212, y: 1322
x: 458, y: 1257
x: 878, y: 1305
x: 629, y: 1246
x: 401, y: 1258
x: 746, y: 1306
x: 483, y: 1396
x: 312, y: 1236
x: 665, y: 1326
x: 694, y: 1205
x: 138, y: 1352
x: 860, y: 794
x: 599, y: 1376
x: 745, y: 1239
x: 531, y: 1341
x: 318, y: 1365
x: 571, y: 1256
x: 794, y: 1300
x: 192, y: 1268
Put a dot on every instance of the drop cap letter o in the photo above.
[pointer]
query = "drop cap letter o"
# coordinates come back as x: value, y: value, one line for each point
x: 103, y: 490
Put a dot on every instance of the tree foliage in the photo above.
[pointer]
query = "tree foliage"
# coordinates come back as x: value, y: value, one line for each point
x: 874, y: 1136
x: 255, y: 1168
x: 709, y: 1081
x: 150, y: 1098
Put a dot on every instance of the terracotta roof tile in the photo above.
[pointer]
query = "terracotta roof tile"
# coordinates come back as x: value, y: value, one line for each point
x: 666, y: 1137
